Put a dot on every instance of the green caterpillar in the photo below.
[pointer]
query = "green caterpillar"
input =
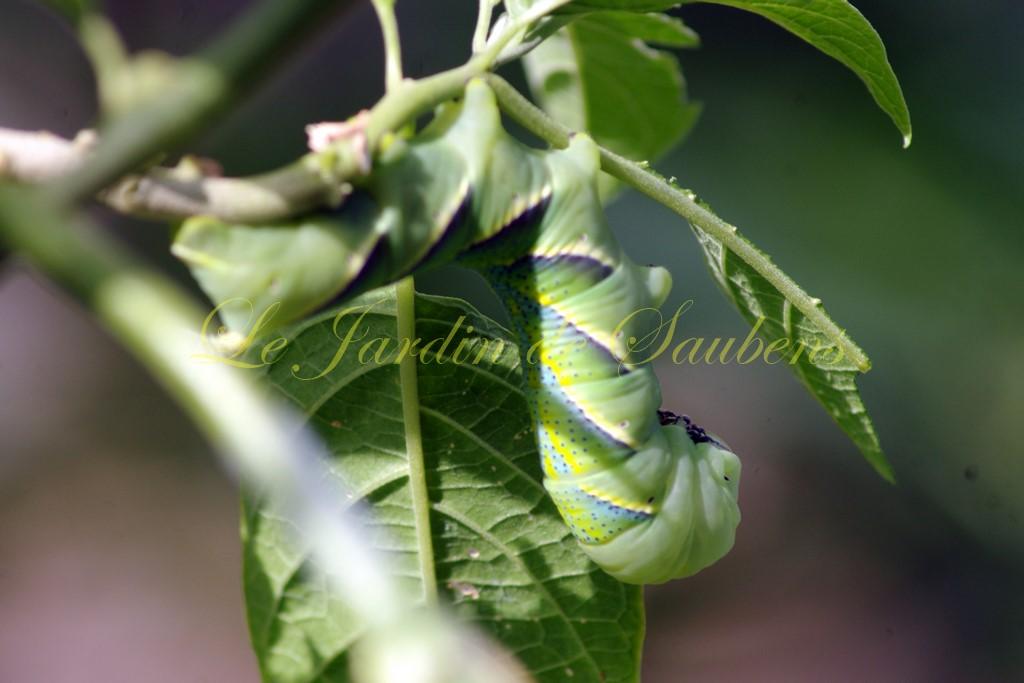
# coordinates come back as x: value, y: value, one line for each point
x: 649, y: 495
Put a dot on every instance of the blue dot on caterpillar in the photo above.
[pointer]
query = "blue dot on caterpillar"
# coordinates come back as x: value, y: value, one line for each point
x: 649, y: 495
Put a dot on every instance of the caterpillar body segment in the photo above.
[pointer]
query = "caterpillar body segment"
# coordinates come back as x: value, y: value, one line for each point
x: 695, y: 521
x: 650, y: 496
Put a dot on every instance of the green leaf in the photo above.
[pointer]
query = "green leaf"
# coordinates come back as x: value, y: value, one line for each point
x: 504, y: 558
x: 830, y: 377
x: 599, y: 75
x: 659, y: 29
x: 836, y: 28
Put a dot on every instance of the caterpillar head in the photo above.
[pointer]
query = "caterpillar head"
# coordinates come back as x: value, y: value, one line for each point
x: 696, y: 519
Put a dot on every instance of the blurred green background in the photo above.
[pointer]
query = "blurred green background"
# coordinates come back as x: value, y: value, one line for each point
x: 118, y: 538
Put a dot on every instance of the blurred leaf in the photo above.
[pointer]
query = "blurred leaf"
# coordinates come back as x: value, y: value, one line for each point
x: 829, y: 376
x: 125, y: 81
x: 599, y: 75
x: 504, y: 558
x: 425, y: 649
x: 836, y: 28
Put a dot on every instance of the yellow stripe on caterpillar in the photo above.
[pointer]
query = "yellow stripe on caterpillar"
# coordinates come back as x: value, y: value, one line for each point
x: 617, y: 501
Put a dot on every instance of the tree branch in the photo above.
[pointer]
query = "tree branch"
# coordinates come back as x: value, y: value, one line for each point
x: 33, y: 157
x: 165, y: 194
x: 176, y: 193
x: 202, y: 86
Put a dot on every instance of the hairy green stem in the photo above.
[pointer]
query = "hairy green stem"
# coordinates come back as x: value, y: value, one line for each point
x: 412, y: 98
x: 640, y: 177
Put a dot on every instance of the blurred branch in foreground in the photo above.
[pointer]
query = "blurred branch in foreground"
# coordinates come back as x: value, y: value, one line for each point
x: 262, y: 445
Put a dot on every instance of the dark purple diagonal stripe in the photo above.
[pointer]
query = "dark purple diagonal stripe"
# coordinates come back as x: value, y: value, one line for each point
x: 374, y: 258
x: 455, y: 223
x: 604, y: 270
x: 528, y: 218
